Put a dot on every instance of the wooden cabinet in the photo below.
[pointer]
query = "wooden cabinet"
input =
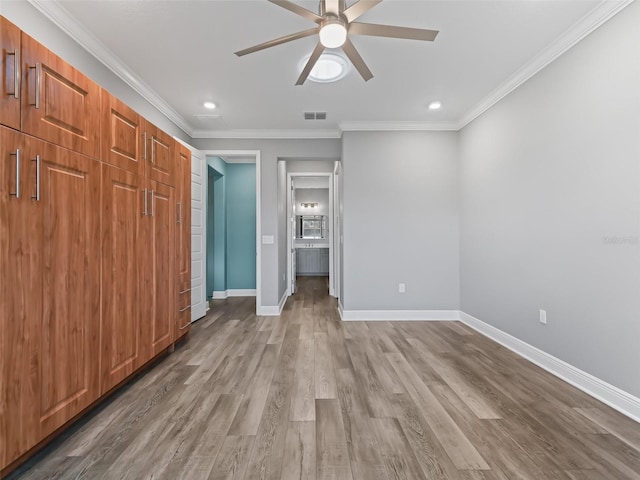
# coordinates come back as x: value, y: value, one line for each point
x: 122, y: 135
x: 20, y: 287
x: 159, y: 152
x: 157, y: 298
x: 11, y: 78
x: 51, y: 309
x: 95, y: 243
x: 183, y: 241
x: 59, y: 104
x: 312, y: 261
x: 122, y: 203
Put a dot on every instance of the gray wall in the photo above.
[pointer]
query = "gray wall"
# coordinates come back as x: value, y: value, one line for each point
x: 273, y: 196
x: 312, y: 195
x: 30, y: 20
x: 400, y: 220
x: 550, y: 207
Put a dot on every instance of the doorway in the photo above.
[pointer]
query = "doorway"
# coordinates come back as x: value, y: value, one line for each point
x: 310, y: 229
x: 232, y: 224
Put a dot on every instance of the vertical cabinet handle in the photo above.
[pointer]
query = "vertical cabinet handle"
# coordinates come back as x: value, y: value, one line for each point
x: 144, y: 135
x: 38, y: 166
x: 153, y: 202
x: 153, y: 149
x: 17, y: 192
x: 16, y: 73
x: 37, y: 68
x: 144, y: 196
x: 179, y: 213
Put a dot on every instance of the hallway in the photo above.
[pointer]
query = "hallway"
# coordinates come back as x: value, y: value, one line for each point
x: 305, y: 395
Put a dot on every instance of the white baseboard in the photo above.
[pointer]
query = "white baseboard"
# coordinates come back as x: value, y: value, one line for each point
x: 274, y: 310
x: 616, y: 398
x: 399, y: 315
x: 222, y: 294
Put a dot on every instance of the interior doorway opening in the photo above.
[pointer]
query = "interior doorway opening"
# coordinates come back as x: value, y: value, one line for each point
x: 310, y: 230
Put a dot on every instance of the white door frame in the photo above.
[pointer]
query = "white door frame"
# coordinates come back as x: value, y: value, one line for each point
x: 256, y: 154
x: 337, y: 234
x: 290, y: 234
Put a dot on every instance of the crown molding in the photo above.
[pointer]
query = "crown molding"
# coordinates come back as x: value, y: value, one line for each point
x: 69, y: 25
x: 398, y: 126
x: 268, y: 134
x: 587, y: 24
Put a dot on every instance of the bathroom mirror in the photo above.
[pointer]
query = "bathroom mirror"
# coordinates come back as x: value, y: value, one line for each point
x: 311, y: 226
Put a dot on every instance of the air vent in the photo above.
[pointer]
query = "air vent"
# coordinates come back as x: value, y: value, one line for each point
x: 315, y: 115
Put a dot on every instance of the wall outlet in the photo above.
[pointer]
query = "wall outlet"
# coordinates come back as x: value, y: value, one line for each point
x: 543, y: 317
x: 401, y: 287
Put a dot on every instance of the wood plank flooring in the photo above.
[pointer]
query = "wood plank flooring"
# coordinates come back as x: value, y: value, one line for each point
x: 306, y: 396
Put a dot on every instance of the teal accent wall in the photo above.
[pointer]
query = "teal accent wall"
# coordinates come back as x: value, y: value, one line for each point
x: 241, y: 225
x: 231, y: 226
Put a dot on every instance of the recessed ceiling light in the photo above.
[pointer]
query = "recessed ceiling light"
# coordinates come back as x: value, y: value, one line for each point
x: 435, y: 105
x: 209, y: 105
x: 330, y: 67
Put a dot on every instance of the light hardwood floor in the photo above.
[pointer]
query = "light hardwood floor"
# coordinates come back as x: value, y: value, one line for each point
x: 304, y: 395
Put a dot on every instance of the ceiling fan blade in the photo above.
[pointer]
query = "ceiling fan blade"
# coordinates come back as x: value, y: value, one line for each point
x: 360, y: 8
x: 357, y: 60
x: 298, y: 10
x: 332, y: 7
x: 357, y: 28
x: 311, y: 63
x: 278, y: 41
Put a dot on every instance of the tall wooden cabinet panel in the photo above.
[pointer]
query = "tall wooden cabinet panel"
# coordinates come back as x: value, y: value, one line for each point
x: 122, y: 206
x: 20, y: 305
x: 51, y: 309
x: 59, y: 104
x: 122, y: 135
x: 68, y: 334
x: 11, y: 78
x: 159, y: 151
x: 183, y: 241
x: 158, y: 286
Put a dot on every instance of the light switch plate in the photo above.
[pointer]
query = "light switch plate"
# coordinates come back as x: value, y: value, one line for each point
x: 267, y: 239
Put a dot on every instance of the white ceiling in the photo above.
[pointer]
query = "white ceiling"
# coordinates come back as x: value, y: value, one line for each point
x: 182, y: 52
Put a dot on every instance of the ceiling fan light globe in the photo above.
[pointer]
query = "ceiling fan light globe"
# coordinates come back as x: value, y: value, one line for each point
x: 333, y: 34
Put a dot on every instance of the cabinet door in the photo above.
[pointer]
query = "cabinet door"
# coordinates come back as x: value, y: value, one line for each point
x: 183, y: 241
x: 59, y: 104
x: 122, y: 135
x: 20, y: 305
x: 183, y: 238
x: 324, y: 260
x: 10, y: 63
x: 122, y: 207
x: 160, y: 149
x: 66, y: 357
x: 314, y: 260
x: 159, y: 285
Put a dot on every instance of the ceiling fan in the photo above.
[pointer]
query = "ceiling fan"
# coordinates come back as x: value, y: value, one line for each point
x: 334, y: 25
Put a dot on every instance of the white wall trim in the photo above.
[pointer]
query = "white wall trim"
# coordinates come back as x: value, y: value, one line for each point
x: 398, y: 126
x: 221, y: 294
x: 267, y: 134
x: 69, y: 25
x: 398, y: 315
x: 275, y: 310
x: 616, y: 398
x: 587, y: 24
